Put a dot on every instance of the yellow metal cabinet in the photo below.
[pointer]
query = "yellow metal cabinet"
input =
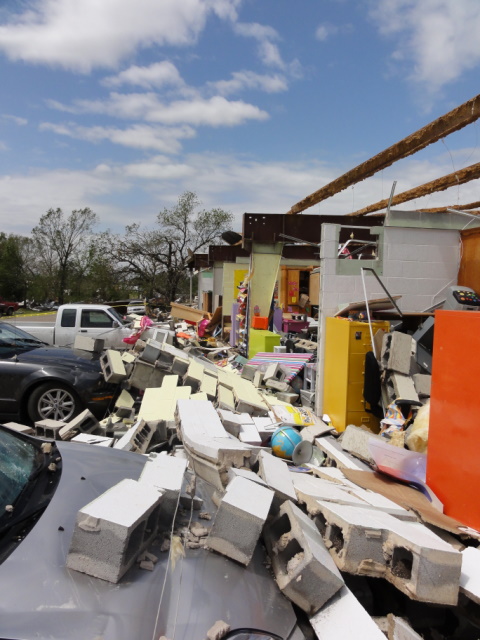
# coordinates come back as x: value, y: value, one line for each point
x: 346, y: 344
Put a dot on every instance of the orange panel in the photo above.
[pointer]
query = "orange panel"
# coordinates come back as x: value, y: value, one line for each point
x: 453, y: 469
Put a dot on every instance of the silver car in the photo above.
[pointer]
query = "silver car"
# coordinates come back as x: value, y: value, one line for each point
x: 41, y: 598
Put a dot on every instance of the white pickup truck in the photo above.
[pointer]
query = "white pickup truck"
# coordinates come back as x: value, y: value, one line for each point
x: 93, y: 320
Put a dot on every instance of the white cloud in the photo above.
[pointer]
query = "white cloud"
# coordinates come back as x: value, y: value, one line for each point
x: 156, y: 75
x: 264, y: 35
x: 3, y: 146
x: 214, y: 112
x: 164, y: 139
x: 439, y: 38
x: 326, y: 30
x: 232, y: 182
x: 242, y: 80
x: 20, y: 121
x: 81, y: 35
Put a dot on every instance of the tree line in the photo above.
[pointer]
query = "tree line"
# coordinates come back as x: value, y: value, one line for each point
x: 65, y: 259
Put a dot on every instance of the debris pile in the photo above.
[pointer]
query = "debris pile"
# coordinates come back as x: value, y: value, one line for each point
x: 321, y: 529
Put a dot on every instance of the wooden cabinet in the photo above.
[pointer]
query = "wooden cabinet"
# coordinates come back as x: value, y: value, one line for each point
x: 346, y: 344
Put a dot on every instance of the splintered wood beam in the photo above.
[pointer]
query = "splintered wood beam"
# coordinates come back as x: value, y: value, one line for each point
x: 460, y: 207
x: 440, y: 184
x: 452, y: 121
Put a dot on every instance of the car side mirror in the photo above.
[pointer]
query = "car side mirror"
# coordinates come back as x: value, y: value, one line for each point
x: 116, y: 324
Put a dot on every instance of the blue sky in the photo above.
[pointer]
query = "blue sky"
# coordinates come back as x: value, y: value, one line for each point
x: 121, y: 106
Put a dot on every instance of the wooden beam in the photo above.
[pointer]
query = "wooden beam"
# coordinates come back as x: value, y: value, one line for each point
x: 454, y: 120
x: 440, y: 184
x: 461, y: 207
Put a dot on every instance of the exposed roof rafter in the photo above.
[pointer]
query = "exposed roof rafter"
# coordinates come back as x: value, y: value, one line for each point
x: 454, y: 120
x: 440, y: 184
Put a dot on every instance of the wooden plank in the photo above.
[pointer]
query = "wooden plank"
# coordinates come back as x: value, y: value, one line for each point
x: 189, y: 314
x: 440, y: 184
x: 454, y: 120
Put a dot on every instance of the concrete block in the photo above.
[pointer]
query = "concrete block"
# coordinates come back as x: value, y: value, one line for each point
x: 396, y: 352
x: 355, y: 440
x: 225, y: 398
x: 49, y: 428
x: 422, y: 383
x: 249, y: 434
x: 85, y: 422
x: 87, y: 343
x: 344, y: 618
x: 169, y: 353
x: 140, y: 375
x: 194, y: 376
x: 233, y: 421
x: 288, y: 397
x: 165, y: 473
x: 274, y: 384
x: 248, y: 399
x: 137, y: 438
x: 170, y: 381
x: 199, y: 396
x: 407, y: 554
x: 265, y: 426
x: 258, y: 378
x: 206, y: 441
x: 303, y: 568
x: 240, y: 519
x: 275, y: 473
x: 126, y: 413
x: 209, y: 386
x: 111, y: 531
x: 128, y: 357
x: 335, y: 454
x: 244, y: 473
x: 276, y: 371
x: 113, y: 366
x: 20, y: 428
x: 248, y: 372
x: 180, y: 366
x: 159, y: 404
x: 151, y: 352
x: 403, y: 387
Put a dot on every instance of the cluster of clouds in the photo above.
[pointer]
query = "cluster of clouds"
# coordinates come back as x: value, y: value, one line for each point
x: 154, y: 110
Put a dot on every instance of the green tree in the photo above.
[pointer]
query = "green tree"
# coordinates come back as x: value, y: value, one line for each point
x: 13, y: 275
x: 61, y: 244
x: 155, y: 260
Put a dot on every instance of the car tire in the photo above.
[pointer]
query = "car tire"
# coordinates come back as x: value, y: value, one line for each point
x: 10, y: 311
x: 55, y: 401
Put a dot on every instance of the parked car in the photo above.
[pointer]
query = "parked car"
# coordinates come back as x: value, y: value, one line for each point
x: 137, y: 307
x: 43, y: 599
x: 94, y: 320
x: 38, y: 381
x: 8, y: 308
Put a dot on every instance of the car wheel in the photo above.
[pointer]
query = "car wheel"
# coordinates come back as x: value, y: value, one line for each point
x: 10, y: 311
x: 55, y: 401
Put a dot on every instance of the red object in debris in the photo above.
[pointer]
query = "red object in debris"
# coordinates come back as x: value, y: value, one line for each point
x: 259, y: 322
x: 202, y: 325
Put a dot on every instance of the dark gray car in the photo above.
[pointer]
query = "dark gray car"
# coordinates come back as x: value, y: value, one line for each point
x: 41, y: 598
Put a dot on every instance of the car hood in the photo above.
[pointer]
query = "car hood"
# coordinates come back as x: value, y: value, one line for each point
x: 41, y: 598
x: 61, y: 356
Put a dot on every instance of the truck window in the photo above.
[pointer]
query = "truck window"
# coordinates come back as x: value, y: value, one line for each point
x: 95, y: 319
x: 68, y: 318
